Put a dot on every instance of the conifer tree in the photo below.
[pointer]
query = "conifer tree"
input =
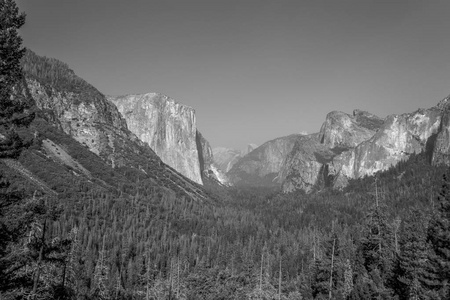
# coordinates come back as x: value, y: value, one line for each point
x: 14, y: 109
x: 377, y: 249
x: 413, y: 264
x: 439, y: 237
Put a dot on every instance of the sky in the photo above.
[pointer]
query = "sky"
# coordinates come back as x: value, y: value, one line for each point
x: 253, y: 70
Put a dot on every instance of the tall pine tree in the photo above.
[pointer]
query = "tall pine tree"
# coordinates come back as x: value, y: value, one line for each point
x: 439, y: 237
x: 412, y: 273
x: 14, y: 109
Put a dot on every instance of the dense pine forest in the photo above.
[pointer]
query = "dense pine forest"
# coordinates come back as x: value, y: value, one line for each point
x: 118, y: 235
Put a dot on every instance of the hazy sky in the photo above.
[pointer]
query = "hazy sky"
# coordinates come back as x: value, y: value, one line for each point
x: 254, y: 69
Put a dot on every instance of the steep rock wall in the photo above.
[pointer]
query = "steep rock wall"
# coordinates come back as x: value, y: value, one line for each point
x: 304, y: 164
x: 169, y: 128
x: 208, y: 168
x: 225, y: 158
x: 439, y: 144
x: 262, y: 165
x: 399, y: 137
x: 347, y: 131
x: 96, y: 123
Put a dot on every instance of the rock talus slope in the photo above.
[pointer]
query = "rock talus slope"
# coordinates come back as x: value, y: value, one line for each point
x: 96, y: 123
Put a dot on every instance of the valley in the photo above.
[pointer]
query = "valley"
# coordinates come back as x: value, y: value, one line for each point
x: 123, y: 197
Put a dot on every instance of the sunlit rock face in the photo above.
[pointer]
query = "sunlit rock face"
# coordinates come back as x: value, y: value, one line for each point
x: 92, y: 121
x: 303, y: 168
x: 439, y: 145
x: 261, y: 166
x: 206, y: 159
x: 307, y: 166
x: 398, y: 138
x: 225, y: 158
x: 353, y: 146
x: 169, y: 128
x: 347, y: 131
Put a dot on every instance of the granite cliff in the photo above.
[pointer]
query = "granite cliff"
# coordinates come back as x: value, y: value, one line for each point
x: 398, y: 138
x: 304, y: 165
x: 353, y: 146
x: 225, y: 158
x: 261, y: 166
x: 170, y: 129
x: 78, y: 109
x: 439, y: 144
x: 347, y: 146
x: 208, y: 167
x: 347, y: 131
x: 96, y: 123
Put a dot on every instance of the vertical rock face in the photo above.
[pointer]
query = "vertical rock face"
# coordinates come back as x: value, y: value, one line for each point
x: 363, y: 144
x: 208, y: 168
x: 304, y: 164
x: 346, y: 131
x: 81, y: 111
x: 307, y: 165
x: 441, y: 151
x: 225, y: 158
x: 262, y: 165
x: 439, y: 144
x: 400, y: 136
x: 169, y: 128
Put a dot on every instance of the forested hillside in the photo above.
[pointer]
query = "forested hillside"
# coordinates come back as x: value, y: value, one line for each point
x: 143, y: 243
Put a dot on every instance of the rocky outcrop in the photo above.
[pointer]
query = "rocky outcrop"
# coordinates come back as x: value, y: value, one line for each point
x: 304, y: 164
x: 225, y: 158
x: 261, y: 166
x: 399, y: 137
x: 306, y: 167
x: 169, y: 128
x: 95, y: 123
x: 77, y: 108
x: 347, y: 131
x: 206, y: 159
x: 353, y: 146
x: 439, y: 144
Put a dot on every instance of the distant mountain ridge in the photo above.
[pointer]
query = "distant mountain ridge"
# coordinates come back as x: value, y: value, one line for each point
x: 347, y: 147
x: 262, y: 165
x: 225, y: 158
x: 123, y: 130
